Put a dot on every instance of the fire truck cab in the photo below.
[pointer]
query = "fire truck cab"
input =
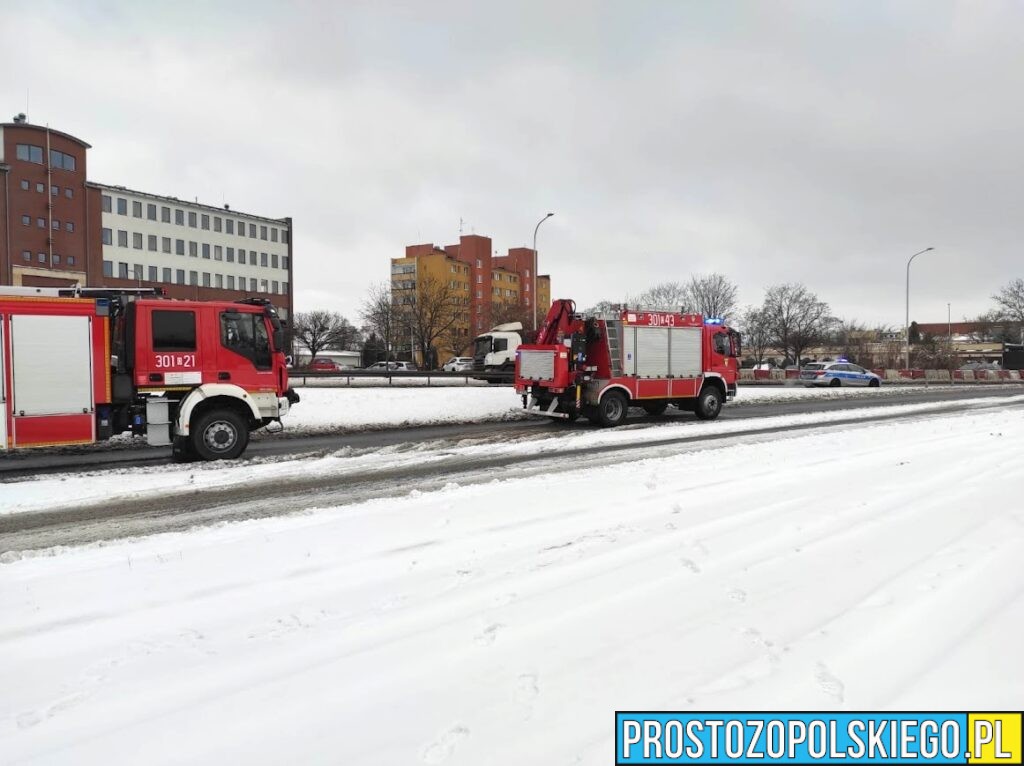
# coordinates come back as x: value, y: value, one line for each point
x: 599, y: 366
x: 79, y: 366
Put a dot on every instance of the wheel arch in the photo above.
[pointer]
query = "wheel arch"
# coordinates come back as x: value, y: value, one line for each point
x: 212, y: 396
x: 613, y: 387
x: 717, y: 382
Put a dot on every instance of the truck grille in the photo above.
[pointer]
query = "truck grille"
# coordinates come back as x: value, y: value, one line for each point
x: 537, y: 365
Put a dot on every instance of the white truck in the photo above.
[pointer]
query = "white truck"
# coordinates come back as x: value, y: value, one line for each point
x: 494, y: 352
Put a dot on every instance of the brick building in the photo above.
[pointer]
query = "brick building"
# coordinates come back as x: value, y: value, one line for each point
x: 58, y: 228
x: 489, y: 286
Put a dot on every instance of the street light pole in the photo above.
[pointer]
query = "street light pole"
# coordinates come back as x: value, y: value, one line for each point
x: 534, y: 275
x: 906, y: 324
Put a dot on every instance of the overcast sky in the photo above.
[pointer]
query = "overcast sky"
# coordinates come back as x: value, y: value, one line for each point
x: 822, y: 142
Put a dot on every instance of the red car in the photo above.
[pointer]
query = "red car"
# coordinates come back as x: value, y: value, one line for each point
x: 323, y: 364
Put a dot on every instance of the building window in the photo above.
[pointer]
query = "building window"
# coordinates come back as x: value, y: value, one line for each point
x: 218, y: 223
x: 166, y: 244
x: 166, y: 275
x: 273, y: 235
x: 136, y: 209
x: 229, y: 226
x: 71, y: 260
x: 192, y: 219
x: 231, y: 254
x: 179, y: 276
x: 122, y: 238
x: 206, y: 279
x: 284, y: 288
x: 69, y: 226
x: 41, y: 257
x: 241, y: 228
x: 151, y: 243
x: 274, y: 286
x: 479, y: 279
x: 205, y: 221
x: 252, y: 230
x: 241, y: 255
x: 69, y: 193
x: 152, y: 274
x: 137, y: 269
x: 263, y: 232
x: 122, y: 206
x: 25, y: 185
x: 231, y: 280
x: 218, y: 281
x: 286, y: 261
x: 165, y: 214
x: 61, y: 161
x: 252, y: 284
x: 252, y: 257
x: 54, y: 191
x: 218, y: 253
x: 193, y: 278
x: 55, y: 224
x: 30, y: 153
x: 179, y: 246
x: 26, y: 255
x: 106, y: 203
x: 150, y: 211
x: 179, y: 217
x: 206, y: 250
x: 26, y: 220
x: 137, y: 240
x: 122, y: 270
x: 193, y: 249
x: 108, y: 268
x: 273, y: 260
x: 56, y: 260
x: 263, y: 286
x: 263, y: 260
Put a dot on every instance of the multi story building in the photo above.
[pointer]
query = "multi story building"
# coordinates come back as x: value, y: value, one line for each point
x: 57, y: 228
x: 484, y: 288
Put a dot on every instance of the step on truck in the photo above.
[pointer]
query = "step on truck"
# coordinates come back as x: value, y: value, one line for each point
x: 599, y: 366
x: 80, y: 365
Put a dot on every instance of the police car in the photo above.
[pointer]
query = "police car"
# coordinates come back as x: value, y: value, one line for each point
x: 836, y: 374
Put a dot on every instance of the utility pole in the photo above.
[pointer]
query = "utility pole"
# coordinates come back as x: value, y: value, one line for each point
x: 534, y: 275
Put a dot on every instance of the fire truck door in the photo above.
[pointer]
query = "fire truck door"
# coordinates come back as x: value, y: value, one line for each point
x: 3, y: 389
x: 244, y: 356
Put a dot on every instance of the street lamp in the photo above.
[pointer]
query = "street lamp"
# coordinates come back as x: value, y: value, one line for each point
x: 906, y: 325
x: 534, y: 288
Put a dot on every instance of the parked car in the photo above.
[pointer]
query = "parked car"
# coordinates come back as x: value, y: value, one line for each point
x: 393, y: 366
x: 837, y: 374
x: 458, y: 364
x: 323, y: 364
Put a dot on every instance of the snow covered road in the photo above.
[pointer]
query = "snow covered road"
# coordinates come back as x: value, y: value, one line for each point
x: 873, y: 566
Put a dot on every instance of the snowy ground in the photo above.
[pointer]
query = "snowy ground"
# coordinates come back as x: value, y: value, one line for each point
x: 859, y: 568
x: 359, y: 408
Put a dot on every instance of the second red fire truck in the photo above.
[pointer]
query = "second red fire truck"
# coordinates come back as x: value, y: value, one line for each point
x: 78, y: 366
x: 599, y: 366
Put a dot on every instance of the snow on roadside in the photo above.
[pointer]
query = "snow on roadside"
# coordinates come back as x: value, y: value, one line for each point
x: 324, y: 409
x: 858, y: 569
x: 61, y: 492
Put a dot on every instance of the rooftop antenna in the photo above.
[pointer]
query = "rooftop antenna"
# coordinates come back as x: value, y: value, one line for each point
x: 460, y: 225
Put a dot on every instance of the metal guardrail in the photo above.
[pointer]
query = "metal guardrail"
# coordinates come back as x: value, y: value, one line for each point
x: 495, y: 378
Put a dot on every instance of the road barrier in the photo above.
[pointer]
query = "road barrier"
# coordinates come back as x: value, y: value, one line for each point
x: 914, y: 376
x: 345, y: 377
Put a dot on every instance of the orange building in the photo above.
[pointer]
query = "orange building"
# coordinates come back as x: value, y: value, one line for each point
x: 492, y: 288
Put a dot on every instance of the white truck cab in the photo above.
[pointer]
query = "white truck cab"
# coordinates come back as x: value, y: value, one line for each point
x: 495, y: 351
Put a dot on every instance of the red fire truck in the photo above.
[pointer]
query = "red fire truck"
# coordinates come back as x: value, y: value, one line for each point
x: 80, y: 365
x: 599, y: 366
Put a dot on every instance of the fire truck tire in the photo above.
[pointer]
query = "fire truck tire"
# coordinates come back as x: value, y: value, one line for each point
x: 655, y: 408
x: 220, y: 435
x: 709, y: 403
x: 613, y: 408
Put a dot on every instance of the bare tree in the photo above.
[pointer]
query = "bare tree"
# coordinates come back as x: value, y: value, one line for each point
x: 756, y: 334
x: 796, y: 318
x: 380, y: 313
x: 665, y: 296
x: 320, y: 330
x: 712, y: 295
x: 433, y: 312
x: 1010, y: 301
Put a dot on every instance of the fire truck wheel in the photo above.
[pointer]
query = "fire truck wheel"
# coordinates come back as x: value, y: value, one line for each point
x: 655, y: 408
x: 709, y: 403
x: 612, y: 409
x: 220, y: 435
